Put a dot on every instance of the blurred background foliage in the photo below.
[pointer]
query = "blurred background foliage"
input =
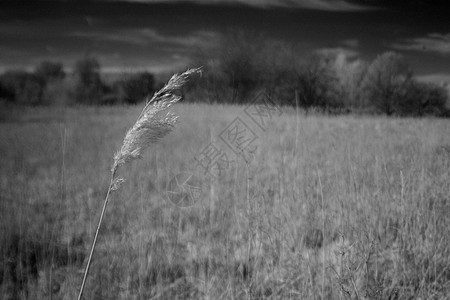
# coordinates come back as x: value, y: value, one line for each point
x: 242, y: 64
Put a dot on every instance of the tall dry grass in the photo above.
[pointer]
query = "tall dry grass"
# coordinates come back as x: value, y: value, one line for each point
x: 330, y: 208
x: 153, y: 123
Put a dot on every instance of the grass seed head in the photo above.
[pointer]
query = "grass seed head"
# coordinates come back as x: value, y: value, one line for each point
x: 154, y: 122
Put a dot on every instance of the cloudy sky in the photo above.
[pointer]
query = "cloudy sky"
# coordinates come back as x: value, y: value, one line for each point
x: 163, y: 35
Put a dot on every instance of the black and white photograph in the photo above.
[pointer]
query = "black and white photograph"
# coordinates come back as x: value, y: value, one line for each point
x: 224, y: 149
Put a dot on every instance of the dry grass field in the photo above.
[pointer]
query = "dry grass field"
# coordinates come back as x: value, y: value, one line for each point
x: 324, y: 207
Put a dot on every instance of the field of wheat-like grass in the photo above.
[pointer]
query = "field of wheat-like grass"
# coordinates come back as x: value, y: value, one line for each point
x: 321, y: 207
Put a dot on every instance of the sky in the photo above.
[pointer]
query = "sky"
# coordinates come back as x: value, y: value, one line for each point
x: 164, y: 35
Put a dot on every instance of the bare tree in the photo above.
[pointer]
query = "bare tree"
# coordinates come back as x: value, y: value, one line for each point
x: 50, y: 71
x: 318, y: 83
x: 89, y: 86
x: 421, y: 98
x: 385, y: 79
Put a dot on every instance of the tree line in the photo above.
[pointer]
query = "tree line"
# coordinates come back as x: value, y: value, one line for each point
x: 329, y: 79
x: 49, y: 84
x: 241, y: 65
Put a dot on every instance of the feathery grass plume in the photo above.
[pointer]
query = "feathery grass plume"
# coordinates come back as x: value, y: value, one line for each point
x: 152, y: 124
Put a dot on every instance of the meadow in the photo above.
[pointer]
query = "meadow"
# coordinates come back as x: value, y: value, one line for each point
x: 325, y: 207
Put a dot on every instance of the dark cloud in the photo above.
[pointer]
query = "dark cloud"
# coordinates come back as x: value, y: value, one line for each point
x: 125, y: 34
x: 433, y: 42
x: 404, y: 4
x: 327, y: 5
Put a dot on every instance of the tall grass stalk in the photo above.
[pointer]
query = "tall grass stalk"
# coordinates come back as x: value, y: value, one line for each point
x: 151, y: 125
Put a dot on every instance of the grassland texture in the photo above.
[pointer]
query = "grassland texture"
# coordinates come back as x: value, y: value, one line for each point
x: 327, y: 208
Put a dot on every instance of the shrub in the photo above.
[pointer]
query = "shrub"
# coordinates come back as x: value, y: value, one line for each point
x: 6, y: 93
x: 281, y: 86
x: 137, y: 87
x: 50, y: 71
x: 22, y: 87
x: 385, y: 80
x: 88, y: 85
x: 419, y: 98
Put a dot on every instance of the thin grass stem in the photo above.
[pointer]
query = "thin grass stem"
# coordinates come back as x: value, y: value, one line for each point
x: 94, y: 242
